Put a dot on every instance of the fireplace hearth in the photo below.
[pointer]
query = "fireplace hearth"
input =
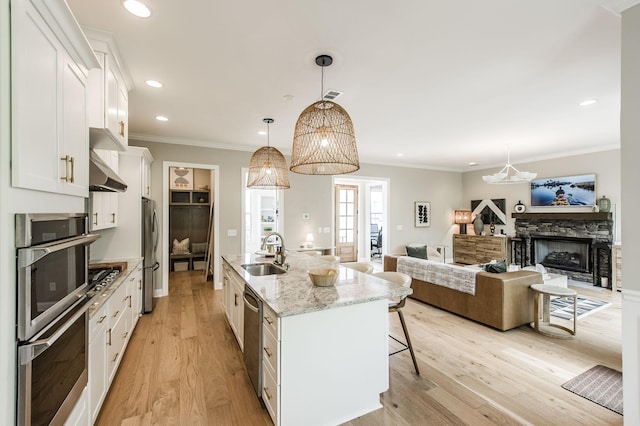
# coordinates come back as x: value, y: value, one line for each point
x: 577, y: 245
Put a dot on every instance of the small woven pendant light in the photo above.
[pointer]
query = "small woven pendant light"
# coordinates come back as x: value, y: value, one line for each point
x: 324, y: 141
x: 268, y: 168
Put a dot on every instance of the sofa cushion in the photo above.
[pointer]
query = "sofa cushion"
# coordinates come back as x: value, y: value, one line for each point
x: 417, y: 250
x: 434, y: 254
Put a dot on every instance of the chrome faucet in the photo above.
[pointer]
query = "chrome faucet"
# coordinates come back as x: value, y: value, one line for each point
x: 280, y: 253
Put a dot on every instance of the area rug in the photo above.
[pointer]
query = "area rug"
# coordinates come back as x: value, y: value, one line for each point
x: 562, y: 307
x: 602, y: 385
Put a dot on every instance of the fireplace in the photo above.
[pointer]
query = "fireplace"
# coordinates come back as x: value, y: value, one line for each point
x: 577, y: 245
x: 566, y: 253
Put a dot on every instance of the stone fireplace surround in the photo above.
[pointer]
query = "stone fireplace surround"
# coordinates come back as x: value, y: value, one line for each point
x: 597, y: 227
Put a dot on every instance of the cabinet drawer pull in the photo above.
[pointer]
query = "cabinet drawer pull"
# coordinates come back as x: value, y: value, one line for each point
x: 126, y: 333
x: 95, y: 220
x: 113, y: 218
x: 267, y: 351
x: 109, y: 340
x: 129, y: 300
x: 140, y: 284
x: 115, y: 314
x: 115, y: 357
x: 268, y: 320
x: 266, y: 392
x: 121, y: 123
x: 101, y: 320
x: 235, y: 299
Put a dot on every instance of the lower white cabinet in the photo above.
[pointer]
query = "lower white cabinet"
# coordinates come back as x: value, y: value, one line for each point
x: 110, y: 329
x: 233, y: 287
x: 79, y: 415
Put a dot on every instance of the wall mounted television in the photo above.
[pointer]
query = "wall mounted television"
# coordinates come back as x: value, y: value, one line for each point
x: 567, y: 191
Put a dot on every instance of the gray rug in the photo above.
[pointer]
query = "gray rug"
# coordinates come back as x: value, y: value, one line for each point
x: 563, y: 307
x: 602, y: 385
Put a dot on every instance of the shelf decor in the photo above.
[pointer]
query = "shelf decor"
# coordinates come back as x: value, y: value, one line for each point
x: 422, y: 212
x: 180, y: 178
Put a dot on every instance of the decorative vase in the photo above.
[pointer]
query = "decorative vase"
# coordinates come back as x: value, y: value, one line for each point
x: 520, y: 208
x: 478, y: 225
x: 604, y: 204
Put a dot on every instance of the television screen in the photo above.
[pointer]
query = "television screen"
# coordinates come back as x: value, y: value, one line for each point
x: 564, y: 191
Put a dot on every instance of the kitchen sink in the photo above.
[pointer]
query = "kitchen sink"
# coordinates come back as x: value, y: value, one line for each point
x: 260, y: 269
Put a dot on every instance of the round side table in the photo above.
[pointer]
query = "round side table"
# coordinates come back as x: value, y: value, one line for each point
x: 543, y: 319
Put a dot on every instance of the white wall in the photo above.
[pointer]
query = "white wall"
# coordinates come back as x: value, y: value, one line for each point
x: 605, y: 164
x: 630, y: 153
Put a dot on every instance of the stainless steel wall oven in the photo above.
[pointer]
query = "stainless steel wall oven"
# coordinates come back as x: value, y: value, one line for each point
x: 52, y: 322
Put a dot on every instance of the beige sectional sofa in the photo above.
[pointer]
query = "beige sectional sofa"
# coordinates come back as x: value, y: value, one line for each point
x: 502, y: 301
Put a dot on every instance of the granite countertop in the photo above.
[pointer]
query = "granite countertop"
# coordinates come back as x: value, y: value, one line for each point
x: 293, y: 293
x: 102, y: 297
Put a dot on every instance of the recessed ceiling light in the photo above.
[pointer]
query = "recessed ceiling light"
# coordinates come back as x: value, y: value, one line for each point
x: 262, y: 132
x: 137, y: 8
x: 154, y: 83
x: 399, y: 154
x: 473, y: 163
x: 161, y: 118
x: 588, y: 102
x: 287, y: 97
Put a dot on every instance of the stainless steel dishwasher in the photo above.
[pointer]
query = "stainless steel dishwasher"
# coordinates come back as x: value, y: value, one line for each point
x: 253, y: 338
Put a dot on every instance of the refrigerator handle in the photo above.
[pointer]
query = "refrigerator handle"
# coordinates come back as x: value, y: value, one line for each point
x: 154, y: 231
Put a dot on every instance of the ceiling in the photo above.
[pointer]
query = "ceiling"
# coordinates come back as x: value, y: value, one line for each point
x: 433, y: 84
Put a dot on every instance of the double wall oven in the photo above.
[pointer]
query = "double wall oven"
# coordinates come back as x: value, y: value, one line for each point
x: 52, y: 320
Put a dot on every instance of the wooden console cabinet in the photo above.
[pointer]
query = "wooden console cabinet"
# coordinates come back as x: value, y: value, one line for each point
x: 471, y: 249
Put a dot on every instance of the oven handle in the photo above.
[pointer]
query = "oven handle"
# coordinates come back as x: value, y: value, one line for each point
x: 31, y: 351
x: 29, y: 256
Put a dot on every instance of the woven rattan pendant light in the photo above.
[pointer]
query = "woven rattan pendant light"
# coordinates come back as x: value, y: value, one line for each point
x: 324, y: 142
x: 268, y: 168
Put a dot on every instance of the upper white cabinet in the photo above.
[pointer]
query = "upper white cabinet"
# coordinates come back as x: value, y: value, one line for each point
x: 104, y: 205
x: 108, y: 95
x: 50, y: 59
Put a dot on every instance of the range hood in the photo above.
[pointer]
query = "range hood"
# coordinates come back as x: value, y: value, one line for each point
x: 102, y: 177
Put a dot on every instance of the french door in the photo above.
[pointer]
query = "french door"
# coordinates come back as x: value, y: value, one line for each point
x: 346, y: 204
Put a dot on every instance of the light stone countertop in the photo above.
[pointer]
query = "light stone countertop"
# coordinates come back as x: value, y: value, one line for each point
x: 100, y: 299
x: 293, y: 293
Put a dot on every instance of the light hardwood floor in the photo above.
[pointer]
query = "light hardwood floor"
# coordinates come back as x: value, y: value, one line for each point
x: 183, y: 367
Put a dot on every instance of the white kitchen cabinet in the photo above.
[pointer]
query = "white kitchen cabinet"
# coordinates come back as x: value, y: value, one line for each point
x: 357, y: 359
x: 134, y: 292
x: 79, y: 415
x: 234, y: 286
x: 104, y: 205
x: 110, y: 329
x: 108, y: 95
x: 146, y: 173
x: 97, y: 361
x: 50, y: 62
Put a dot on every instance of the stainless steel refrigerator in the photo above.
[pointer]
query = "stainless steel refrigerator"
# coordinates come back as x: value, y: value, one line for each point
x: 150, y: 232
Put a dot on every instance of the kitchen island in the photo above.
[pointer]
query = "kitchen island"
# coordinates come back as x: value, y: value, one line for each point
x: 325, y: 357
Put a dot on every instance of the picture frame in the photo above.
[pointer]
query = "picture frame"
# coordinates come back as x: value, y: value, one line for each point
x: 180, y: 178
x: 565, y: 191
x: 422, y: 213
x: 490, y: 210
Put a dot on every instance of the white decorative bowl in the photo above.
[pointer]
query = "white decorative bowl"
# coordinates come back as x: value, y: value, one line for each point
x: 323, y: 277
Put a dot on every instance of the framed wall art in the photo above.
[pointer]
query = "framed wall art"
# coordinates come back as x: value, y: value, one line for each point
x: 180, y: 178
x: 422, y: 213
x: 568, y: 191
x: 490, y: 210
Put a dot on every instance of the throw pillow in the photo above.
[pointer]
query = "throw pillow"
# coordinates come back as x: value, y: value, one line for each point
x: 497, y: 267
x: 434, y: 254
x: 181, y: 247
x: 417, y: 250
